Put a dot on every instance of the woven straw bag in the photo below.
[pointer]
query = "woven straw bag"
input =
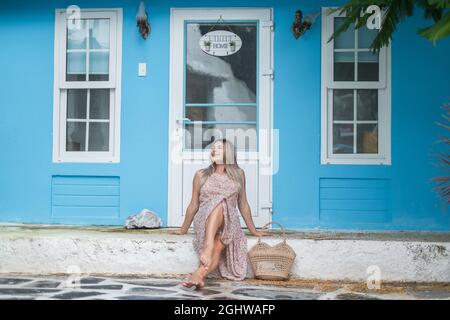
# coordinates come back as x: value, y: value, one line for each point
x: 272, y: 262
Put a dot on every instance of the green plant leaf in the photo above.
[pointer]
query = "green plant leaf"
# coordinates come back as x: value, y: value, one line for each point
x: 438, y: 31
x: 439, y: 3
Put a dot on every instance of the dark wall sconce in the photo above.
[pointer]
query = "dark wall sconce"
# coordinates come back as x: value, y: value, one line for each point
x: 142, y: 21
x: 299, y: 27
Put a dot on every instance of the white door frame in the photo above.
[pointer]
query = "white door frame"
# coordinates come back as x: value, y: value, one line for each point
x: 265, y: 90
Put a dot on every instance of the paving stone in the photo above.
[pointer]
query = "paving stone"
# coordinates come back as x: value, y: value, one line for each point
x: 153, y: 283
x: 103, y: 287
x: 17, y: 298
x: 222, y: 298
x: 354, y: 296
x: 274, y: 294
x: 12, y: 281
x: 44, y: 284
x: 202, y: 292
x: 212, y: 284
x: 135, y: 297
x: 129, y: 288
x: 21, y: 291
x: 91, y: 280
x: 207, y: 292
x: 428, y: 294
x: 190, y: 296
x: 76, y: 294
x: 149, y: 290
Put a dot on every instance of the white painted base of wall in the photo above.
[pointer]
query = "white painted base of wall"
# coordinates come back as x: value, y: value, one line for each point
x: 96, y: 251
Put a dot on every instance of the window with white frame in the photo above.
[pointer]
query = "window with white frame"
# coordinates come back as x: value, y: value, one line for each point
x: 87, y: 85
x: 355, y: 112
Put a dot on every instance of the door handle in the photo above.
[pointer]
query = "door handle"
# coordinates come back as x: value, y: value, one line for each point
x: 269, y: 73
x: 267, y: 206
x: 180, y: 121
x: 179, y: 126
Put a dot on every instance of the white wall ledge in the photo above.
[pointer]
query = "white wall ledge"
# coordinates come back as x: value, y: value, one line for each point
x: 39, y: 249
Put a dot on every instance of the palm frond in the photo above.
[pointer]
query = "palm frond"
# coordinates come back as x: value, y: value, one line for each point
x: 393, y: 12
x: 442, y: 183
x: 438, y: 31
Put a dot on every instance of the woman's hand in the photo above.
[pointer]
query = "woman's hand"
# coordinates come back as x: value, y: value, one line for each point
x: 261, y: 233
x: 177, y: 231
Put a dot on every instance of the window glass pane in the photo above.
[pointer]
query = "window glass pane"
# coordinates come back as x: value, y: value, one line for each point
x: 76, y: 34
x: 98, y: 66
x: 98, y: 136
x: 343, y: 138
x: 342, y: 104
x: 99, y: 34
x: 99, y: 104
x: 227, y: 113
x: 367, y: 104
x: 221, y: 79
x: 367, y: 138
x: 367, y: 66
x: 76, y: 136
x: 346, y: 40
x: 76, y: 103
x: 344, y: 66
x: 366, y: 37
x: 76, y: 66
x: 200, y: 136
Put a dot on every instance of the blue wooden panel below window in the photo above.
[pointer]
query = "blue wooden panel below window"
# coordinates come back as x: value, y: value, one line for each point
x: 354, y: 200
x: 90, y: 197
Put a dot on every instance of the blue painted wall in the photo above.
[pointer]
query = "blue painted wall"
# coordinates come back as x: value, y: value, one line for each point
x: 420, y: 85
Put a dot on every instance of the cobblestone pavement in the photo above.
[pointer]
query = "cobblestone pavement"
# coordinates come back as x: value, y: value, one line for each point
x: 120, y: 288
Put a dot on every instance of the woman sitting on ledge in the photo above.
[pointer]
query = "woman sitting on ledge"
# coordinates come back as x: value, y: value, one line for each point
x: 217, y: 192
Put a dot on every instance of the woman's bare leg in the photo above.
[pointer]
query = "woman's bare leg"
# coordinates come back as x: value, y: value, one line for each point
x: 198, y: 276
x: 213, y: 223
x: 218, y: 247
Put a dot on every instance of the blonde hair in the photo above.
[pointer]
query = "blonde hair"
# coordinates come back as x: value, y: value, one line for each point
x: 232, y: 169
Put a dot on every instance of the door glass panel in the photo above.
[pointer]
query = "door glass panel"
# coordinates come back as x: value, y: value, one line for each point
x: 221, y: 91
x: 221, y: 79
x: 228, y: 113
x: 200, y: 136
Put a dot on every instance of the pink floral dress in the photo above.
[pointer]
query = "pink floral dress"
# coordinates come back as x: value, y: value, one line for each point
x: 219, y: 189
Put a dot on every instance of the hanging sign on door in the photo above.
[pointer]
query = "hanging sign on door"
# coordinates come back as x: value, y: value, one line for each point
x: 220, y: 43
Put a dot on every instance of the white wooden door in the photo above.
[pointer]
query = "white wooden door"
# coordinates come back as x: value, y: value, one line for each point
x: 220, y: 96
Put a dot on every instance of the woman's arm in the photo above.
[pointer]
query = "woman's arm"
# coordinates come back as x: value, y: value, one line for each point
x: 193, y: 205
x: 245, y: 210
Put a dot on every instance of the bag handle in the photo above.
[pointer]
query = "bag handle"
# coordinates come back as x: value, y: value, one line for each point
x: 278, y: 224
